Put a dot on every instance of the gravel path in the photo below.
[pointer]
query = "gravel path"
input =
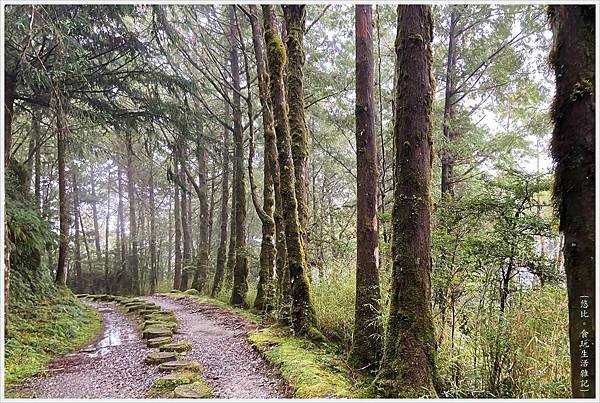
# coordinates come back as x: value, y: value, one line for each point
x: 231, y: 366
x: 113, y: 367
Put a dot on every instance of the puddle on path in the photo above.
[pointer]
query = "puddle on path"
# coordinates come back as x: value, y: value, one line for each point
x: 114, y: 335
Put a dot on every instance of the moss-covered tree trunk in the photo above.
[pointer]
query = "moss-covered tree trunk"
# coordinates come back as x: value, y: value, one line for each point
x: 177, y: 221
x: 573, y: 150
x: 222, y: 249
x: 302, y: 312
x: 95, y: 218
x: 240, y: 271
x: 366, y: 345
x: 134, y: 258
x: 230, y: 263
x: 201, y: 272
x: 63, y: 204
x: 295, y: 16
x: 264, y: 296
x: 408, y: 364
x: 124, y: 285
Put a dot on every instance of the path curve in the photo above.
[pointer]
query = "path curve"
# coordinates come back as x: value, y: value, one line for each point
x: 231, y: 366
x: 113, y: 367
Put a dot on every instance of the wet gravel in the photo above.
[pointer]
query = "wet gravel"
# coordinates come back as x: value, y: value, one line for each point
x: 113, y: 367
x: 218, y: 340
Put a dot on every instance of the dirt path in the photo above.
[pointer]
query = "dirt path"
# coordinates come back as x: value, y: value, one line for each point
x: 113, y: 367
x: 231, y: 366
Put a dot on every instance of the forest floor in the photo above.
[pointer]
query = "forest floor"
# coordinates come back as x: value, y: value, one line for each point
x: 114, y: 367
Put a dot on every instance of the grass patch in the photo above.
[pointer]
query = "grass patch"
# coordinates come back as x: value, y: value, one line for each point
x: 311, y: 370
x: 36, y: 333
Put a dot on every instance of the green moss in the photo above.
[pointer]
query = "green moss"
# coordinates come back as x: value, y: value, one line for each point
x: 276, y: 53
x: 191, y: 291
x: 196, y: 390
x: 176, y: 347
x: 309, y: 369
x: 581, y: 89
x: 37, y: 333
x: 174, y: 379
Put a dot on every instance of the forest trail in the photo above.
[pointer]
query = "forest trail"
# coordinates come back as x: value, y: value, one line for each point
x: 231, y: 366
x: 113, y: 367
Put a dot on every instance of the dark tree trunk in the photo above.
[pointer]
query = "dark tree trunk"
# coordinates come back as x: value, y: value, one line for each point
x: 230, y: 264
x: 126, y: 284
x: 76, y: 238
x: 295, y: 24
x: 211, y: 215
x: 366, y: 346
x: 185, y: 229
x: 177, y: 220
x: 95, y: 217
x: 63, y: 246
x: 202, y: 190
x: 222, y: 250
x: 152, y: 242
x: 410, y: 331
x: 447, y: 158
x: 240, y: 272
x: 573, y: 151
x: 134, y: 259
x: 264, y: 293
x: 10, y: 84
x: 303, y: 315
x: 107, y: 282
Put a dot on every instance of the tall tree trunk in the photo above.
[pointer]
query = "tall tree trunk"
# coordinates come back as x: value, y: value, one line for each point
x: 366, y: 345
x: 107, y: 282
x: 152, y: 243
x: 295, y: 24
x: 126, y: 285
x: 222, y: 250
x: 573, y: 150
x: 170, y: 237
x: 134, y: 259
x: 177, y: 220
x: 211, y: 214
x: 76, y: 238
x: 95, y: 217
x: 230, y: 264
x: 185, y: 228
x: 201, y: 273
x: 240, y: 272
x: 410, y: 331
x: 303, y: 315
x: 264, y: 294
x: 447, y: 158
x: 61, y: 131
x: 10, y: 83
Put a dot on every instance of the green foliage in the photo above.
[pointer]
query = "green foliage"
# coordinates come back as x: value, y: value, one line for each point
x: 36, y: 332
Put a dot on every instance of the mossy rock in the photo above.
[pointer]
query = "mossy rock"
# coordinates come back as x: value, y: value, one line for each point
x: 135, y: 308
x: 176, y: 347
x: 175, y: 292
x: 159, y: 358
x: 193, y: 366
x: 132, y: 303
x: 148, y: 311
x: 97, y: 297
x: 159, y: 323
x: 191, y: 291
x: 161, y: 315
x: 154, y: 332
x: 159, y: 341
x: 174, y: 379
x: 81, y: 295
x: 195, y: 390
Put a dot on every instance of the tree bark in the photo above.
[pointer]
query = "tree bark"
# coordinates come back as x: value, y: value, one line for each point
x: 185, y: 229
x: 366, y: 347
x: 152, y: 242
x: 107, y: 282
x: 264, y: 294
x: 61, y: 131
x: 573, y: 150
x: 240, y: 272
x: 95, y: 217
x: 222, y: 250
x: 295, y: 16
x: 134, y: 259
x: 410, y: 330
x: 76, y: 238
x: 126, y: 285
x: 177, y: 219
x: 447, y: 159
x: 303, y: 316
x: 10, y: 83
x: 202, y: 190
